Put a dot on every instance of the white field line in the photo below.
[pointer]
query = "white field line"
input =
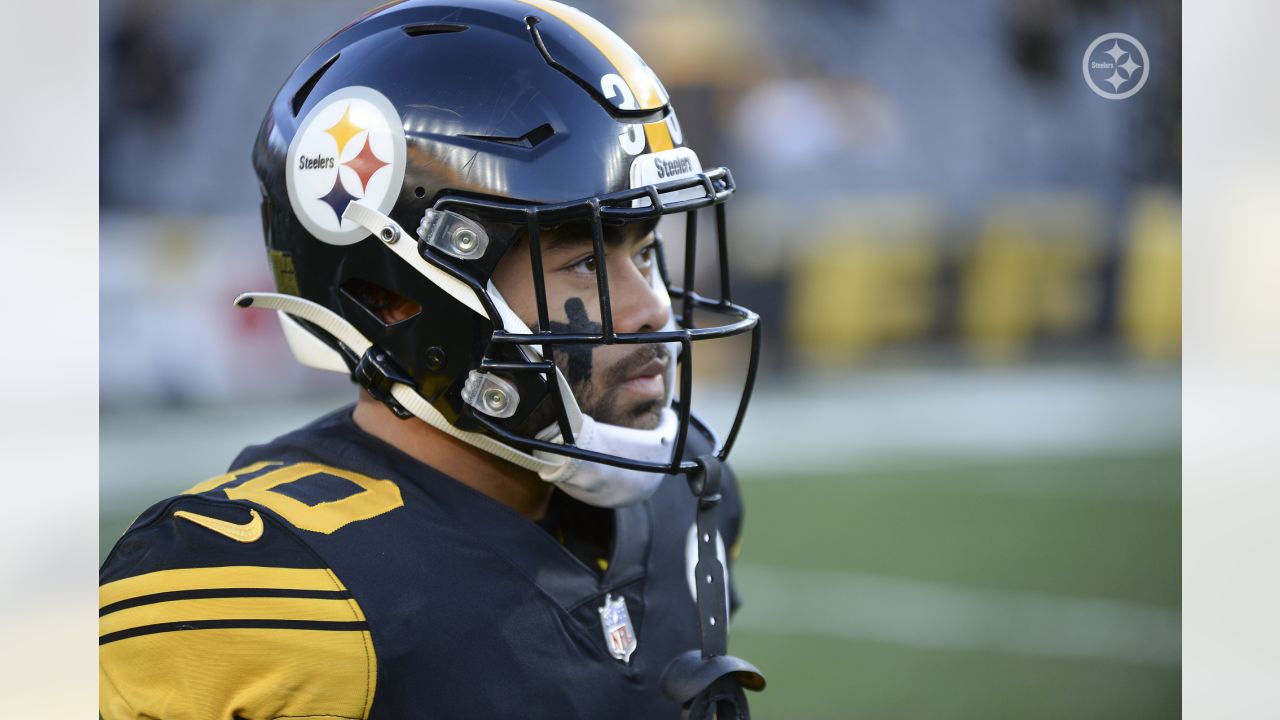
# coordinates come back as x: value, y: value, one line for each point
x: 811, y: 425
x: 925, y: 475
x: 933, y: 615
x: 930, y: 418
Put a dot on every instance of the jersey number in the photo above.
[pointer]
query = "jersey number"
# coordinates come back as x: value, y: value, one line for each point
x: 375, y: 497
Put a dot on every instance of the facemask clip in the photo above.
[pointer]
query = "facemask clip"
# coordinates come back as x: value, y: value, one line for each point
x: 492, y: 395
x: 453, y: 234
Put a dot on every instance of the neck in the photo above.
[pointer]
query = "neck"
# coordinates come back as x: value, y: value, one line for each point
x: 519, y: 489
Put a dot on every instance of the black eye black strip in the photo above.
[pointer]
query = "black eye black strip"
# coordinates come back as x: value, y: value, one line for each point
x: 579, y: 355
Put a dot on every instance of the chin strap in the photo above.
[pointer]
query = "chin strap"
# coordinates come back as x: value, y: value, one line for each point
x: 708, y: 683
x: 596, y: 484
x: 374, y: 372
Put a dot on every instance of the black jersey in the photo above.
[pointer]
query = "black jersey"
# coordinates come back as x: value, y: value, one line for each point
x: 329, y: 575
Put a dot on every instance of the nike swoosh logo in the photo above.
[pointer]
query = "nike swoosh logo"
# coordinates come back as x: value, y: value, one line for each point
x: 244, y: 532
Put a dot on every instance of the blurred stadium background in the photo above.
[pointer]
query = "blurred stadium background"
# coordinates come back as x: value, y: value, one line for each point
x: 962, y: 464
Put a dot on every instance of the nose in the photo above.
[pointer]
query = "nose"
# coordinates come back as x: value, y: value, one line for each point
x: 636, y: 307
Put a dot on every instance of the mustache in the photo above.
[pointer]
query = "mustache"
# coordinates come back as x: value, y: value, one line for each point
x: 646, y: 354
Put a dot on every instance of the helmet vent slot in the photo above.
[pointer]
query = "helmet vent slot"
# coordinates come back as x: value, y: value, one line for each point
x: 300, y: 97
x: 531, y: 22
x: 433, y: 29
x: 529, y: 140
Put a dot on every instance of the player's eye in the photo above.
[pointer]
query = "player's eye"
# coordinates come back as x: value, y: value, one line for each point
x: 645, y: 257
x: 585, y: 265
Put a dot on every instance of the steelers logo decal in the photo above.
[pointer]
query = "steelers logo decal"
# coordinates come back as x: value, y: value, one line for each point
x: 350, y: 147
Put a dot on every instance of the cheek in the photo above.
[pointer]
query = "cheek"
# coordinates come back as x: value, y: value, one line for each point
x: 514, y: 283
x: 566, y: 302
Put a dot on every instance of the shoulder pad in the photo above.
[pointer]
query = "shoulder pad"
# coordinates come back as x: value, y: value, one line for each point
x: 208, y: 607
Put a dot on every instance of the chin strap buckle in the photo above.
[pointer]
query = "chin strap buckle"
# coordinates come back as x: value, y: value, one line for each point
x: 377, y: 373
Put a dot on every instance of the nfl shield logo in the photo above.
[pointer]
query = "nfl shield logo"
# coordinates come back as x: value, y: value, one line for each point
x: 615, y: 621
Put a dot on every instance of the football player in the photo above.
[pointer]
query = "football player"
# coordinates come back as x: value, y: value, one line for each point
x: 460, y: 202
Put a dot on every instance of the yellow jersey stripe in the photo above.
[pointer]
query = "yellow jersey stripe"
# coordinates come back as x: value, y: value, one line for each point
x: 244, y: 608
x: 625, y: 60
x: 237, y: 623
x: 255, y: 672
x: 221, y: 593
x: 233, y: 576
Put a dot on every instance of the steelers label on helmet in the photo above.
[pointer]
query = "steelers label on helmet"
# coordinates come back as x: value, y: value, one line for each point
x: 656, y: 168
x: 350, y: 147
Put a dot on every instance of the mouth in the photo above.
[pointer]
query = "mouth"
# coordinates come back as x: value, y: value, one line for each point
x: 648, y: 379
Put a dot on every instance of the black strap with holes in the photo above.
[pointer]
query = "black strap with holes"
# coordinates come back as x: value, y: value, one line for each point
x: 712, y: 608
x: 723, y: 699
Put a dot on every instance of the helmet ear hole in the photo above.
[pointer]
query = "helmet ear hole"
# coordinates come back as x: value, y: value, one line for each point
x: 388, y: 306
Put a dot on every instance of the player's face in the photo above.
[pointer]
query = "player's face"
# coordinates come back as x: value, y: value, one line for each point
x: 616, y: 384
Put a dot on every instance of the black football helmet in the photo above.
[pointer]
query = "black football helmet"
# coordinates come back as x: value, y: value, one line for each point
x: 413, y: 148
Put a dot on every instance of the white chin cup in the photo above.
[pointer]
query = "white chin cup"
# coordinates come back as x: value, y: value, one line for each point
x: 608, y: 485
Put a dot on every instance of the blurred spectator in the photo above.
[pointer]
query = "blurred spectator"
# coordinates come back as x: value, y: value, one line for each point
x: 146, y: 65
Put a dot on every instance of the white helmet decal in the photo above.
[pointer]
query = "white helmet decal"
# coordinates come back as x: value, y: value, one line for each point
x: 350, y: 146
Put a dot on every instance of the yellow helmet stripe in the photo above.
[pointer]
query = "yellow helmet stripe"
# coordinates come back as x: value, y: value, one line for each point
x: 659, y: 136
x: 633, y: 71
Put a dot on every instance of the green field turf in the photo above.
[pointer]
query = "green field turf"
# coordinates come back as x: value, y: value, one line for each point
x: 1088, y: 528
x: 1101, y: 527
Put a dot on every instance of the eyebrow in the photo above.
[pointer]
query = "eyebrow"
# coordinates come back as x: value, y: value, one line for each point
x: 560, y: 239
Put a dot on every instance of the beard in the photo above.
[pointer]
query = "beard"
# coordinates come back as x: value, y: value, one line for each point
x: 600, y: 394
